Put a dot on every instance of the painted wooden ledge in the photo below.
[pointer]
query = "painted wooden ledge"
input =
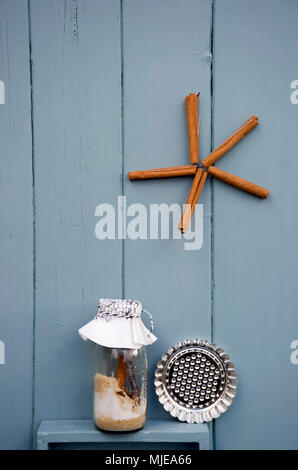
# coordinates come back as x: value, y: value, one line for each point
x: 51, y: 433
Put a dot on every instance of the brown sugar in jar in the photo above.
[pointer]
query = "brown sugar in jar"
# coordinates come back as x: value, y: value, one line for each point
x: 114, y: 409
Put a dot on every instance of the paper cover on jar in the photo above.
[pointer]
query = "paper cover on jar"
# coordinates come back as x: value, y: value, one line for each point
x: 118, y: 324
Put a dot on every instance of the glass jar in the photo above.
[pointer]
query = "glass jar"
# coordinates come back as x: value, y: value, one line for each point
x: 120, y: 388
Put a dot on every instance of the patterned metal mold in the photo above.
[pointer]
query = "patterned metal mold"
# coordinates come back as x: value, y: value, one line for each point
x: 195, y: 381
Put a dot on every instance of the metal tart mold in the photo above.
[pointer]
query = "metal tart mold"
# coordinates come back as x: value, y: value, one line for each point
x: 195, y: 381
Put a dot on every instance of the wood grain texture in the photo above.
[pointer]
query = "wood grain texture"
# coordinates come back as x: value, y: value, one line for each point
x: 16, y: 214
x: 79, y: 119
x: 256, y: 297
x: 77, y: 128
x: 167, y: 54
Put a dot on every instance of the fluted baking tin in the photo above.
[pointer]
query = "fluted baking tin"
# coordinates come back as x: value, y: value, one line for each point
x: 195, y: 381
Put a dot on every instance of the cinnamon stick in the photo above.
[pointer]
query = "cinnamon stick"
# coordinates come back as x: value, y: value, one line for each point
x: 238, y: 182
x: 212, y: 158
x: 187, y: 213
x: 190, y: 170
x: 191, y: 103
x: 189, y: 209
x: 163, y: 172
x: 199, y: 190
x: 231, y: 141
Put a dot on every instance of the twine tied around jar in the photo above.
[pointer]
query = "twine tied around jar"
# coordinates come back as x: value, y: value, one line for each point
x: 121, y: 308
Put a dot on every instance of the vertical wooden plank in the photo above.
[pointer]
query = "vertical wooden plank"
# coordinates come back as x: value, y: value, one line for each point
x: 166, y: 55
x: 16, y: 307
x: 256, y: 270
x: 76, y: 77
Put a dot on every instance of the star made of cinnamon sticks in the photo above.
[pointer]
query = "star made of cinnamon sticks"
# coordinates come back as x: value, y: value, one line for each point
x: 200, y: 170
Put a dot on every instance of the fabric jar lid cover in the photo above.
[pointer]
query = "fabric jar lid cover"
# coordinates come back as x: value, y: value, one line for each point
x: 118, y: 324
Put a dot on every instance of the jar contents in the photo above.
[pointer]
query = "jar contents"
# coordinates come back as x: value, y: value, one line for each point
x: 116, y: 409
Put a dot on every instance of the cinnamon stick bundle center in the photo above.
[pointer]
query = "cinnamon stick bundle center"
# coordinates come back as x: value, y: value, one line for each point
x: 201, y: 171
x: 201, y: 175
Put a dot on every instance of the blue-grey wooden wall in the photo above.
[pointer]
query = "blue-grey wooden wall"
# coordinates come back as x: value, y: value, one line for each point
x: 95, y: 88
